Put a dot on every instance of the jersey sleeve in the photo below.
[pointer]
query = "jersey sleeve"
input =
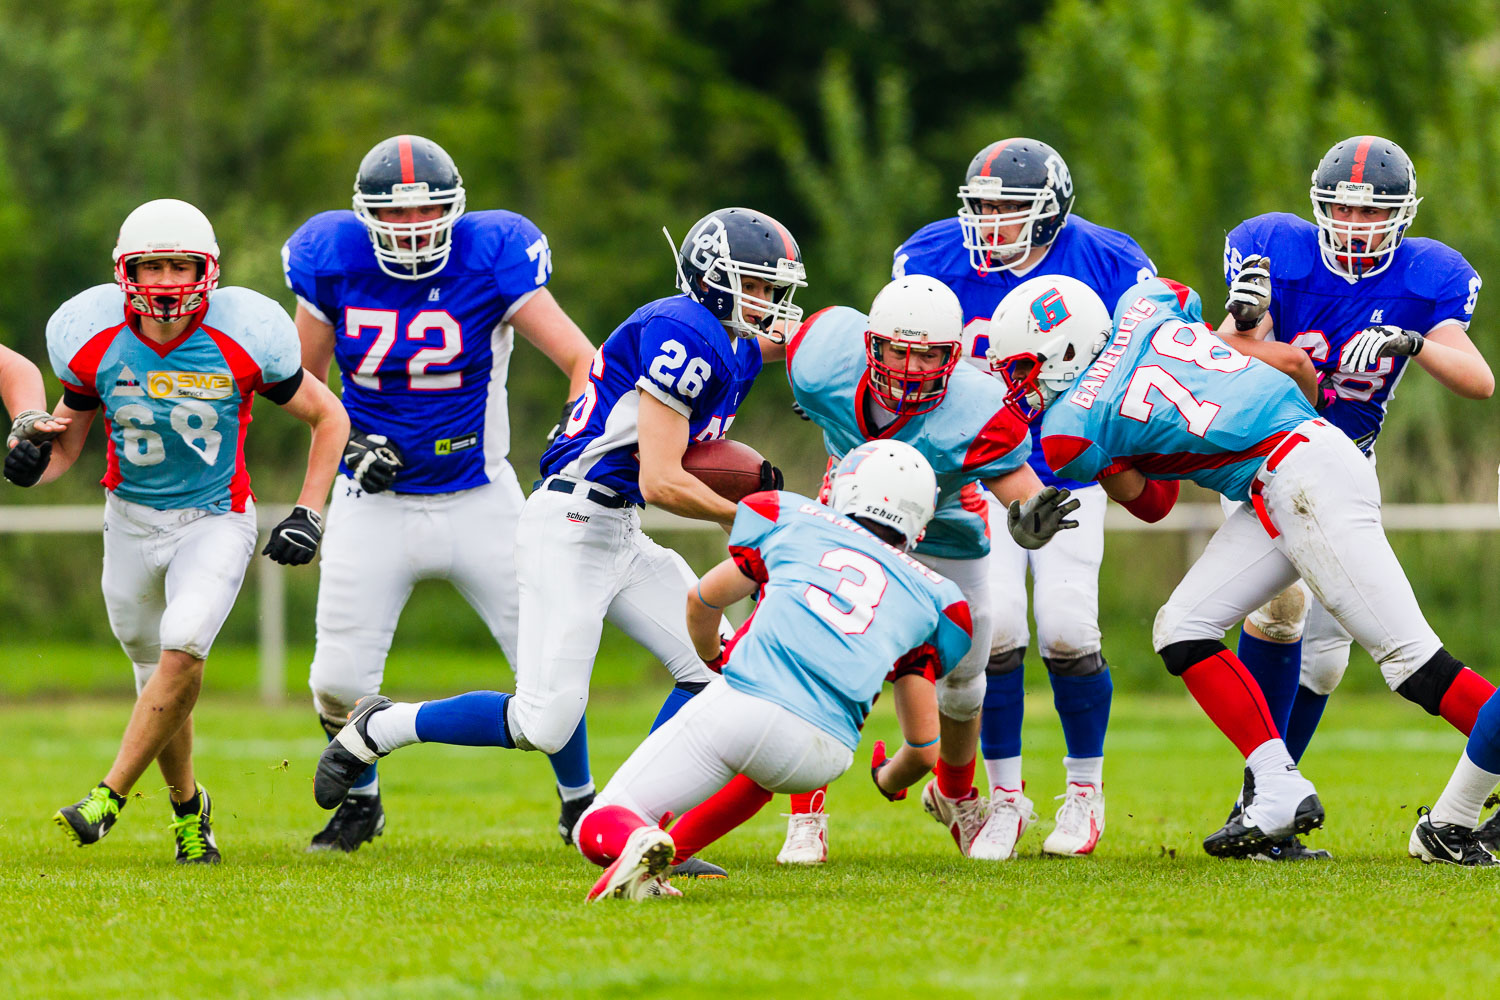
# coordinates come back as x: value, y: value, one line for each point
x: 1003, y: 443
x: 1243, y: 241
x: 271, y: 339
x: 1456, y: 296
x: 301, y: 260
x: 523, y: 263
x: 676, y: 363
x: 1074, y: 457
x: 758, y: 515
x: 1126, y: 266
x: 955, y: 630
x: 71, y: 346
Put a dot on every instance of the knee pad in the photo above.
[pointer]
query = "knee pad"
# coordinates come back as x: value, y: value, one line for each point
x: 961, y: 698
x: 1005, y: 662
x: 1086, y: 665
x: 1282, y: 618
x: 1431, y: 681
x: 1179, y: 656
x: 1321, y: 674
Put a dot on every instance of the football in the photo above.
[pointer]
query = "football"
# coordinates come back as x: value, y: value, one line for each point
x: 729, y: 468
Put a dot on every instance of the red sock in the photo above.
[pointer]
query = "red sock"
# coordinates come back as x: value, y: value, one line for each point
x: 1228, y: 694
x: 1463, y: 699
x: 955, y: 780
x: 602, y: 835
x: 723, y: 811
x: 809, y: 802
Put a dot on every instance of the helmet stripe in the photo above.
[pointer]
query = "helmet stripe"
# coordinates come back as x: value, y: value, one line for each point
x: 786, y: 239
x: 984, y: 171
x: 1360, y: 152
x: 408, y: 170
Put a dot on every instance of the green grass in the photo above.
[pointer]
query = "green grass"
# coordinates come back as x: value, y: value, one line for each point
x: 471, y: 894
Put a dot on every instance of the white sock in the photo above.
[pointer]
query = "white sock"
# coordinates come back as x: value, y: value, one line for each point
x: 394, y: 727
x: 1463, y: 800
x: 1085, y: 770
x: 570, y: 792
x: 373, y: 788
x: 1271, y: 760
x: 1004, y: 772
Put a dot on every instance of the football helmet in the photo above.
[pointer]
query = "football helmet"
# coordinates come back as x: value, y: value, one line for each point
x: 166, y: 228
x: 920, y: 314
x: 1020, y: 170
x: 1043, y: 335
x: 733, y: 243
x: 889, y: 482
x: 405, y: 171
x: 1365, y: 171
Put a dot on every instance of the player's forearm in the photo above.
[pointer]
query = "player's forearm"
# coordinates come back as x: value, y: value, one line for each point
x: 1460, y: 372
x: 21, y: 386
x: 1020, y: 484
x: 720, y: 587
x: 67, y: 446
x: 330, y: 433
x: 685, y: 495
x: 916, y: 710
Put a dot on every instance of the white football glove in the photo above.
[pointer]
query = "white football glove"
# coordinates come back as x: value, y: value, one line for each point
x: 1250, y: 293
x: 24, y: 428
x: 1369, y: 345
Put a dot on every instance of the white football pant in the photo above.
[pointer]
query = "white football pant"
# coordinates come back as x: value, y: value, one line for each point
x: 960, y: 692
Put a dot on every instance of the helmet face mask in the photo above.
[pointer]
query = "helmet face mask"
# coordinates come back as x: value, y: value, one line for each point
x: 888, y: 482
x: 732, y: 244
x: 166, y: 229
x: 1031, y: 176
x: 1363, y: 172
x: 914, y: 317
x: 408, y: 171
x: 1043, y: 335
x: 903, y: 389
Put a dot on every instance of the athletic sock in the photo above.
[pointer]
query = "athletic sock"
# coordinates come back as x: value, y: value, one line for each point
x: 1464, y: 700
x: 1003, y: 772
x: 394, y: 727
x: 1477, y: 773
x: 1004, y: 709
x: 1230, y: 697
x: 1083, y: 708
x: 955, y: 781
x: 1276, y: 667
x: 570, y: 765
x: 682, y: 692
x: 1085, y: 770
x: 1307, y: 710
x: 190, y: 807
x: 476, y: 719
x: 603, y: 832
x: 726, y: 809
x: 809, y: 802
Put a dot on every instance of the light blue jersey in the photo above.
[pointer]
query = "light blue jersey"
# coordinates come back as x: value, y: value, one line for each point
x: 839, y: 611
x: 967, y: 437
x: 176, y: 414
x: 1170, y: 399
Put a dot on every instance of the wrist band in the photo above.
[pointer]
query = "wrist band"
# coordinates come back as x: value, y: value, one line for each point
x: 919, y: 746
x: 702, y: 601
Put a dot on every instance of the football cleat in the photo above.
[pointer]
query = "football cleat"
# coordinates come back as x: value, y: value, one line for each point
x: 570, y: 813
x: 1447, y: 843
x: 1290, y: 849
x: 195, y: 835
x: 359, y: 820
x: 1242, y: 838
x: 90, y: 818
x: 1010, y: 813
x: 806, y: 840
x: 348, y: 754
x: 964, y: 817
x: 696, y: 868
x: 1489, y: 832
x: 1080, y: 822
x: 640, y: 869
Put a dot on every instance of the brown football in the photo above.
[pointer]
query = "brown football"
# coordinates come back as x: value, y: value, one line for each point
x: 729, y: 468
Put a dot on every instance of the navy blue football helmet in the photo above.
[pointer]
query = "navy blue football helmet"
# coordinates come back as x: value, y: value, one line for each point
x: 408, y: 171
x: 1365, y: 171
x: 1025, y: 171
x: 734, y: 243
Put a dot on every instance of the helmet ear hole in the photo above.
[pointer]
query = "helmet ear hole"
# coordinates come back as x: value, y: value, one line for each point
x: 1069, y: 354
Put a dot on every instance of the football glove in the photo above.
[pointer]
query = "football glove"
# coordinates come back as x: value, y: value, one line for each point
x: 23, y: 428
x: 1250, y: 293
x: 562, y: 421
x: 373, y: 460
x: 797, y: 409
x: 1371, y: 344
x: 27, y: 461
x: 771, y: 477
x: 877, y: 761
x: 1033, y: 523
x: 1327, y: 392
x: 295, y: 540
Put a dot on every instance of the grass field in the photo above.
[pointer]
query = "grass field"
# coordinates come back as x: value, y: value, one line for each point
x: 471, y: 894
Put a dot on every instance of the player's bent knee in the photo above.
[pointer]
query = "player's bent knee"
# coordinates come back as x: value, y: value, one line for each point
x: 1086, y: 665
x: 961, y: 698
x: 1429, y: 682
x: 1282, y: 618
x: 1006, y: 661
x: 1321, y: 675
x: 1179, y: 657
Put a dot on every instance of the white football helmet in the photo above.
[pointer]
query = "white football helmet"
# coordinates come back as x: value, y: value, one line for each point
x: 889, y: 482
x: 166, y: 228
x: 920, y: 314
x: 1043, y: 334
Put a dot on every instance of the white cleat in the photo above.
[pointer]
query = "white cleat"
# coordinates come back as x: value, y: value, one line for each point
x: 1009, y: 815
x: 1080, y: 821
x: 806, y: 840
x: 637, y: 872
x: 964, y: 817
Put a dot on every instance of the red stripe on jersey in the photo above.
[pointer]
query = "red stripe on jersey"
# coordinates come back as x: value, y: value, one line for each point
x: 1357, y: 172
x: 1187, y: 461
x: 984, y: 171
x: 958, y: 613
x: 861, y: 394
x: 1060, y: 449
x: 1180, y: 290
x: 239, y: 486
x: 248, y: 378
x: 796, y: 341
x: 408, y: 170
x: 922, y: 661
x: 112, y: 476
x: 973, y: 501
x: 996, y: 439
x: 85, y: 363
x: 766, y: 504
x: 750, y: 563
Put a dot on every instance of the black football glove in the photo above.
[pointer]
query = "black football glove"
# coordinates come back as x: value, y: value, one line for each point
x: 373, y: 461
x: 295, y: 540
x: 797, y: 409
x: 27, y: 461
x: 1327, y: 392
x: 771, y: 477
x: 562, y: 421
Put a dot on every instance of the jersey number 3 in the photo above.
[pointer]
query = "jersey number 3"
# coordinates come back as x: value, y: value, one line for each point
x: 862, y: 595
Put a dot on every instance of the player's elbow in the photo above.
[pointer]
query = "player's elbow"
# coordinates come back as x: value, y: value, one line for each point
x: 657, y: 491
x: 927, y: 755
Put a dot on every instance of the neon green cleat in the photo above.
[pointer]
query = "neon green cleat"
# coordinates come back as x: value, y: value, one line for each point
x: 89, y: 819
x: 195, y: 835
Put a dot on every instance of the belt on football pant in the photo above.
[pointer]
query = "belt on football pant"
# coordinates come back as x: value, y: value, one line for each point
x: 614, y: 501
x: 1258, y: 485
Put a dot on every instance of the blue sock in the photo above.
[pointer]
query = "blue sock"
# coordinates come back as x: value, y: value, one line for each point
x: 1083, y: 706
x: 681, y: 693
x: 571, y: 763
x: 1307, y: 709
x: 1004, y: 708
x: 1484, y: 739
x: 476, y: 719
x: 1276, y: 667
x: 367, y: 777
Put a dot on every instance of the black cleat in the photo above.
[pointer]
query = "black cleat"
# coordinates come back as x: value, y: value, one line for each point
x: 91, y: 817
x: 696, y: 868
x: 571, y: 812
x: 194, y: 833
x: 1290, y: 849
x: 1489, y: 833
x: 1447, y: 843
x: 358, y: 821
x: 348, y: 754
x: 1237, y: 840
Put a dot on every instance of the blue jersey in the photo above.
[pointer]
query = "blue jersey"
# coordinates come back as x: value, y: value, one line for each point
x: 175, y: 414
x: 1167, y: 397
x: 969, y: 436
x: 839, y: 610
x: 675, y: 350
x: 1107, y: 261
x: 1426, y: 285
x: 424, y: 362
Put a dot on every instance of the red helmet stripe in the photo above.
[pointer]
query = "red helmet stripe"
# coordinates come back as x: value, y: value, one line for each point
x: 984, y: 171
x: 1357, y: 174
x: 408, y: 169
x: 786, y: 239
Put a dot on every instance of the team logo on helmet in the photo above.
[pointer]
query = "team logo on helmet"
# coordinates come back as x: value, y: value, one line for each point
x: 1049, y: 309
